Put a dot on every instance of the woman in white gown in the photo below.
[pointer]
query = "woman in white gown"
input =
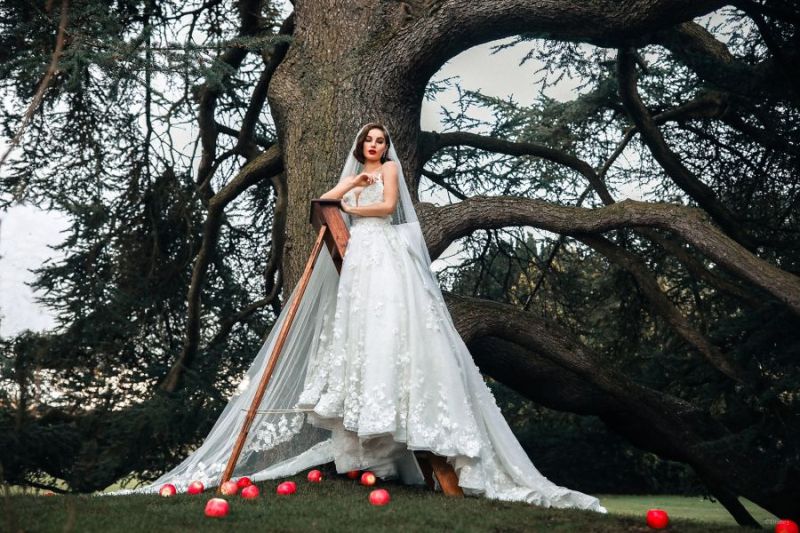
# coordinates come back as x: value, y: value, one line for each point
x: 374, y: 368
x: 392, y: 374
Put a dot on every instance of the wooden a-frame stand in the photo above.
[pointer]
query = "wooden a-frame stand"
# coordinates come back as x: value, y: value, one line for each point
x: 332, y: 231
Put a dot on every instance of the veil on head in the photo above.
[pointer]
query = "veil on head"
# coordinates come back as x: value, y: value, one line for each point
x: 282, y: 441
x: 404, y: 213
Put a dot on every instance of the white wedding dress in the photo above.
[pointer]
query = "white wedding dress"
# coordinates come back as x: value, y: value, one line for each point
x: 392, y: 375
x: 372, y: 368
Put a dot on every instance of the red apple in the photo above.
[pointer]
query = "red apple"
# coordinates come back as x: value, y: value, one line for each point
x: 195, y: 487
x: 657, y: 518
x: 379, y: 497
x: 353, y: 474
x: 250, y: 492
x: 243, y: 482
x: 368, y: 479
x: 786, y: 526
x: 292, y: 486
x: 168, y: 490
x: 229, y: 488
x: 315, y: 476
x: 285, y: 488
x: 217, y: 508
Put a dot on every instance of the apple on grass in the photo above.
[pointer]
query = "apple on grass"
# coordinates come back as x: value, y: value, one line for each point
x: 368, y: 478
x: 315, y: 476
x: 217, y: 508
x: 286, y: 488
x: 250, y: 492
x: 354, y: 474
x: 379, y: 497
x: 229, y: 488
x: 243, y: 482
x: 195, y: 487
x: 786, y: 526
x: 168, y: 490
x: 657, y: 518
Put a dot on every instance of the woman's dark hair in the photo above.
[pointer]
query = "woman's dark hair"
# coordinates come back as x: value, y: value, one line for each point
x: 359, y: 150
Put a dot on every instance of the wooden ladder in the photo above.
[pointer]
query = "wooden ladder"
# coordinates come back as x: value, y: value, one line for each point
x: 332, y: 231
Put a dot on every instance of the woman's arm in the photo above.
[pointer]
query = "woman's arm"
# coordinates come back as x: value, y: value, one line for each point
x: 340, y: 190
x: 390, y: 196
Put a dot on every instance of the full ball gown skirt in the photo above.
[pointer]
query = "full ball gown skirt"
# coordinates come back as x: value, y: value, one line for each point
x: 392, y: 375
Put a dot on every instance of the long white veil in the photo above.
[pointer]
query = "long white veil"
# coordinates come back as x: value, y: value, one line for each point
x: 282, y: 441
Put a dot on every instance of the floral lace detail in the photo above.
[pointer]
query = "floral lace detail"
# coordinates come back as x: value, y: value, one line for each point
x: 371, y: 194
x: 270, y: 434
x: 392, y: 375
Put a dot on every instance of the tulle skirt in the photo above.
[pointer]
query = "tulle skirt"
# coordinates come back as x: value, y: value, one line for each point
x: 391, y: 375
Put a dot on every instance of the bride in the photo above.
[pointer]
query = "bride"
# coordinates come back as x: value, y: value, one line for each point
x: 373, y: 368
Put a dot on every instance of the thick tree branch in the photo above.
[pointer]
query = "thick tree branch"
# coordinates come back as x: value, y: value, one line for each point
x: 207, y: 95
x: 444, y: 224
x: 246, y: 138
x: 698, y: 49
x: 707, y: 105
x: 280, y: 215
x: 592, y: 387
x: 669, y: 161
x: 475, y: 318
x: 539, y: 379
x: 430, y: 33
x: 40, y: 90
x: 267, y: 164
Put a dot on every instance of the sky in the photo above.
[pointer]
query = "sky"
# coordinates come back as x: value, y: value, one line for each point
x: 26, y: 232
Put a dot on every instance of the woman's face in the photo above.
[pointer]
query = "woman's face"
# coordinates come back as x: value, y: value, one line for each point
x: 374, y: 145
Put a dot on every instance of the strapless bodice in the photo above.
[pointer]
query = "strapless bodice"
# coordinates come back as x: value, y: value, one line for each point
x: 371, y: 194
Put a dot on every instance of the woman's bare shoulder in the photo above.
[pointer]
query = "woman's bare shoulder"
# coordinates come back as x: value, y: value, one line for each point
x: 390, y: 168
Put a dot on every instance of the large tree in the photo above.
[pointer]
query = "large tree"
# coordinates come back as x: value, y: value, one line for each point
x: 693, y: 353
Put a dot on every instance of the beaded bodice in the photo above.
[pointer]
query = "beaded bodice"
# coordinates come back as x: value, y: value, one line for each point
x: 371, y: 194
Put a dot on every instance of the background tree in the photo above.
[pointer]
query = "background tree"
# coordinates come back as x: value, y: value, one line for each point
x: 672, y: 320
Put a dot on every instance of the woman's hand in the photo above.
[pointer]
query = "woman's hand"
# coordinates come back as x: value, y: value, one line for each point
x: 362, y: 180
x: 344, y: 206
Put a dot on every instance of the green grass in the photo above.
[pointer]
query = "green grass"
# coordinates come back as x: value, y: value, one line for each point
x: 340, y: 504
x: 690, y: 507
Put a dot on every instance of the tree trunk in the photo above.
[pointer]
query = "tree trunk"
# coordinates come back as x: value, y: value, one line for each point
x: 332, y: 82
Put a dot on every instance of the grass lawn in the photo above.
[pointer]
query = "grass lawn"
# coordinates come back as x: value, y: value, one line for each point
x: 340, y: 504
x: 691, y: 507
